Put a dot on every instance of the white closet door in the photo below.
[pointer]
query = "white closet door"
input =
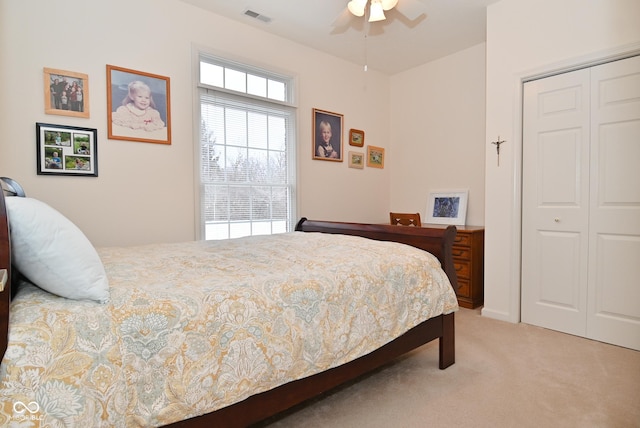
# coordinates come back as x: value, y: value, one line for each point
x: 614, y: 217
x: 556, y: 202
x: 581, y: 203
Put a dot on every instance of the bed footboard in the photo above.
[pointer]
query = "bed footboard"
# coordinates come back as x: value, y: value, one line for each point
x: 438, y: 242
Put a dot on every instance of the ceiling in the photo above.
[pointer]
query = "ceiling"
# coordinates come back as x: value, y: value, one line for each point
x: 415, y: 31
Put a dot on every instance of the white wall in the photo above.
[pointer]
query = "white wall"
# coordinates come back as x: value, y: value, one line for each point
x: 437, y: 130
x: 525, y: 38
x: 145, y: 192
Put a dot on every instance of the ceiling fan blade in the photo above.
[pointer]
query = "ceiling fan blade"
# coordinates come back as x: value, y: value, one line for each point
x: 411, y: 9
x: 346, y: 20
x: 389, y: 4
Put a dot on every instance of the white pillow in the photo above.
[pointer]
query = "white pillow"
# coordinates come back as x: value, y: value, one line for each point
x: 53, y: 253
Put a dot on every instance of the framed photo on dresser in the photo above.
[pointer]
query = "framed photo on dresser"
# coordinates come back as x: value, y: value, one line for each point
x: 447, y: 207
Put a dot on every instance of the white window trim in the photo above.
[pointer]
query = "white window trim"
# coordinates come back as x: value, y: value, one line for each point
x: 197, y: 53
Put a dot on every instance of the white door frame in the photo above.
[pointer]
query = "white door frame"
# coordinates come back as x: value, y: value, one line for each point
x: 516, y: 208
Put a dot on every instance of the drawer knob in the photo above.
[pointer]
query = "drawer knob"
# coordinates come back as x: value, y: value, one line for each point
x: 557, y: 219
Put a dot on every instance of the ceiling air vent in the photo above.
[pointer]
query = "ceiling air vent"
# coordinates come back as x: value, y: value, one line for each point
x: 257, y: 16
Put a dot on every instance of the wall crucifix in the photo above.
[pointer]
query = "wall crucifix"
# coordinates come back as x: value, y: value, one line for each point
x: 497, y: 143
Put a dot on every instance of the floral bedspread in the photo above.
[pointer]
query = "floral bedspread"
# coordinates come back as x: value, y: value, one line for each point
x: 197, y: 326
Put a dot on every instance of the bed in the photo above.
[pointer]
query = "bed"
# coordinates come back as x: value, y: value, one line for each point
x: 215, y: 333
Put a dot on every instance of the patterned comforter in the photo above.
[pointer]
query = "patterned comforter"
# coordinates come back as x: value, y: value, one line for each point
x: 197, y: 326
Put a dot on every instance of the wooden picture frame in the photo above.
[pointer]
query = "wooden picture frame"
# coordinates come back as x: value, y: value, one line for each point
x: 356, y: 137
x: 375, y: 157
x: 66, y: 150
x: 66, y: 93
x: 147, y: 120
x: 356, y: 160
x: 447, y: 207
x: 325, y: 147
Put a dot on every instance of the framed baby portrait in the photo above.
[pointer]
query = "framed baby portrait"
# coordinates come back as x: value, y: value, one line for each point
x: 138, y: 106
x: 327, y: 135
x: 66, y: 150
x: 66, y: 93
x: 375, y: 157
x: 356, y: 137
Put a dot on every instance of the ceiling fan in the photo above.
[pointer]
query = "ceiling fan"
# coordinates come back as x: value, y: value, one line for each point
x: 411, y: 9
x: 408, y: 12
x: 376, y: 10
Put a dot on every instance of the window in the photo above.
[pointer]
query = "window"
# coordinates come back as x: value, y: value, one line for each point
x: 247, y: 150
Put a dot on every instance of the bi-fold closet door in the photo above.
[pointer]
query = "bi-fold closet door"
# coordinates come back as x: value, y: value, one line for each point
x: 581, y: 203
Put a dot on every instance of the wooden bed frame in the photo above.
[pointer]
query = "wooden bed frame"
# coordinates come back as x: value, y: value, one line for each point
x: 261, y: 406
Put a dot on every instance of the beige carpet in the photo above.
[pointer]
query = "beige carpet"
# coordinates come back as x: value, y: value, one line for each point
x: 506, y: 375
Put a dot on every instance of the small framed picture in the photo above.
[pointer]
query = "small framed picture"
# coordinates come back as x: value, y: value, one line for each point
x: 356, y: 160
x: 66, y: 93
x: 327, y: 135
x: 356, y: 137
x: 138, y: 106
x: 447, y: 207
x: 375, y: 157
x: 66, y: 150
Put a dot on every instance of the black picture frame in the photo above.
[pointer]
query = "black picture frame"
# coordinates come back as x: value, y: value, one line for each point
x: 66, y: 150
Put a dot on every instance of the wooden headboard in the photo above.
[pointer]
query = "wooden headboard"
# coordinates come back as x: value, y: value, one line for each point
x: 5, y: 274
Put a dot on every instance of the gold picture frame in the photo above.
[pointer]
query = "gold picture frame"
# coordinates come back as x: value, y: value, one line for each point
x: 66, y: 93
x: 356, y: 137
x: 375, y: 157
x: 149, y: 123
x: 356, y: 160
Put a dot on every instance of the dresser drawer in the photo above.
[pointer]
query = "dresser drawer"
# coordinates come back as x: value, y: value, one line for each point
x: 468, y: 261
x: 464, y: 288
x: 463, y: 239
x: 463, y: 269
x: 462, y: 253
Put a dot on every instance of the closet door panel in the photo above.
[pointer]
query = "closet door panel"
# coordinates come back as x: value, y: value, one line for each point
x: 614, y: 216
x: 555, y: 204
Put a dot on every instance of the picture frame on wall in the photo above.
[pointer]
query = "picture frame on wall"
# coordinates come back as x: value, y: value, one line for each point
x: 448, y: 207
x: 327, y: 135
x: 66, y: 93
x: 356, y: 160
x: 138, y: 106
x: 66, y: 150
x: 356, y: 137
x: 375, y: 157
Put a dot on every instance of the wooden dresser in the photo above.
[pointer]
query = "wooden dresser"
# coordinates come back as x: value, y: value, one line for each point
x: 468, y: 259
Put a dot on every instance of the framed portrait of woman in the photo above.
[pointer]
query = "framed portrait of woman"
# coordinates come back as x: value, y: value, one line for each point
x: 138, y: 106
x: 327, y: 135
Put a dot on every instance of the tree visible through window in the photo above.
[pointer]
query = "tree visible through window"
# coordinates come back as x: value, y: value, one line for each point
x: 247, y: 148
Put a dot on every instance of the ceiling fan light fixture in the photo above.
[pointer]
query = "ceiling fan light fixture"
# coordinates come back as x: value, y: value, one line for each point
x: 356, y: 7
x: 376, y: 13
x: 389, y: 4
